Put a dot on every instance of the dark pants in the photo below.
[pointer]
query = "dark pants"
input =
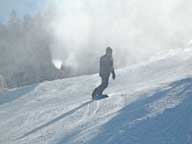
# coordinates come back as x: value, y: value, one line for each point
x: 99, y: 90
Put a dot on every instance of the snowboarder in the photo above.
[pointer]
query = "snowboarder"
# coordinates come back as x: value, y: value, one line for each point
x: 106, y: 68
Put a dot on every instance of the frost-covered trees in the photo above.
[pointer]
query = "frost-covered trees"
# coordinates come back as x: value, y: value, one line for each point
x: 3, y: 83
x: 24, y: 51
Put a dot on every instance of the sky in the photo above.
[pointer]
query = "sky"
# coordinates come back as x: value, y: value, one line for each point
x: 21, y: 7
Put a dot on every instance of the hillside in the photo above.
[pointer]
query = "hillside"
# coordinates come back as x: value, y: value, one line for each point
x: 149, y: 103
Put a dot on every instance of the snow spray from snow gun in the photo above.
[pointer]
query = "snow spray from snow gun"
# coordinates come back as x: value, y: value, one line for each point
x: 57, y: 63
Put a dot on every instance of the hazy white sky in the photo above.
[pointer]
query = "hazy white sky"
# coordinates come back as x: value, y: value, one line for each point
x: 20, y: 6
x: 135, y: 29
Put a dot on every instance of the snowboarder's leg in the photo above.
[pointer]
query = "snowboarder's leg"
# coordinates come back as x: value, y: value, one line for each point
x: 103, y: 85
x: 99, y: 90
x: 94, y: 94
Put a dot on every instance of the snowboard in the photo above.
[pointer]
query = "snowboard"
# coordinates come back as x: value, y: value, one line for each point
x: 101, y: 97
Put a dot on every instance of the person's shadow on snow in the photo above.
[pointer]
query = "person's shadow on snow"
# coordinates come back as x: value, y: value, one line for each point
x: 56, y: 119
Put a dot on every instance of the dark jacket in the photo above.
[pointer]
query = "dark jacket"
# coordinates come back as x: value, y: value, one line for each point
x: 106, y: 65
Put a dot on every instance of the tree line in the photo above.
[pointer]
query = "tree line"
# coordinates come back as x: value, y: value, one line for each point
x: 25, y: 56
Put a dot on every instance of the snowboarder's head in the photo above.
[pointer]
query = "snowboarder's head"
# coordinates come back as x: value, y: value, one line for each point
x: 109, y: 51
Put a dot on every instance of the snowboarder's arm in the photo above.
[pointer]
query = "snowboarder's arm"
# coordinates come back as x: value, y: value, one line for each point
x: 113, y: 71
x: 113, y: 74
x: 100, y: 63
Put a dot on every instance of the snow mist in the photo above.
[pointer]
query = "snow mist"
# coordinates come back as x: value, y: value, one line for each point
x: 136, y: 30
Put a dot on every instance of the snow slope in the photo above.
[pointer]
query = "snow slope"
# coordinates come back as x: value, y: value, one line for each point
x: 149, y: 103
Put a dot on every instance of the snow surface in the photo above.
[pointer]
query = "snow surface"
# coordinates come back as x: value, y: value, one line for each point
x: 149, y: 103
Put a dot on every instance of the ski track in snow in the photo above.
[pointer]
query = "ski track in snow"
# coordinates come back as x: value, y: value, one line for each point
x: 148, y: 103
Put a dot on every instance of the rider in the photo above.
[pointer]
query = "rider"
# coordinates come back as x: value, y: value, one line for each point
x: 106, y: 68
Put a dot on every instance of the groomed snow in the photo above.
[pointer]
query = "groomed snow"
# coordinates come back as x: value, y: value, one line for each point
x: 149, y: 103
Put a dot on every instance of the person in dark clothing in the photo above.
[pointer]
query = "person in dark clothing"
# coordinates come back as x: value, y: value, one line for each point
x: 106, y: 68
